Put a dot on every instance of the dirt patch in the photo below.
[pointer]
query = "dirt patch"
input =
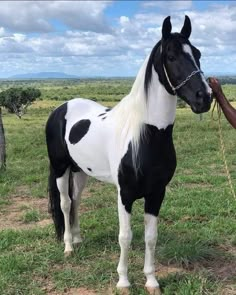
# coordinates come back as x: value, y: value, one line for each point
x: 198, y: 218
x: 86, y: 193
x: 50, y: 289
x: 229, y: 249
x: 73, y: 291
x: 229, y: 290
x: 11, y: 217
x: 226, y: 272
x: 21, y: 202
x: 198, y: 185
x: 22, y: 190
x: 164, y: 271
x: 80, y: 291
x: 223, y: 268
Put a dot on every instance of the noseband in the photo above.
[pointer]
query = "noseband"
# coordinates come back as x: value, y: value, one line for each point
x: 183, y: 82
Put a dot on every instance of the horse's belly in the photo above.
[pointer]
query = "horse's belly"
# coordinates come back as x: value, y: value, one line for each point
x: 91, y: 159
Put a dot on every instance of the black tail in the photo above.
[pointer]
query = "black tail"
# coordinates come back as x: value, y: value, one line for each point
x: 60, y: 161
x: 55, y: 206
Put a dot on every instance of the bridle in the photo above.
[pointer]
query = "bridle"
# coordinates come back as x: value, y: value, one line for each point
x: 183, y: 82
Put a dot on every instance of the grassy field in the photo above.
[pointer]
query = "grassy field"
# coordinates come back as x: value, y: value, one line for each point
x: 97, y: 89
x: 196, y: 249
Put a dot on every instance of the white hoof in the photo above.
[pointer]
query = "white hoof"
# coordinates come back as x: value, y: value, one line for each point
x: 123, y: 283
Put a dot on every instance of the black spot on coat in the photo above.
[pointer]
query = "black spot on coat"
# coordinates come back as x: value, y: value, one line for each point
x: 101, y: 114
x: 79, y: 130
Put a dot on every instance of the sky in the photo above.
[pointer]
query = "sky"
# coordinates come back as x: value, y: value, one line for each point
x: 109, y: 38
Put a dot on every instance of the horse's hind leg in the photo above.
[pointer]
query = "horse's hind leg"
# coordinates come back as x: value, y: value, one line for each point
x: 65, y: 202
x: 79, y: 182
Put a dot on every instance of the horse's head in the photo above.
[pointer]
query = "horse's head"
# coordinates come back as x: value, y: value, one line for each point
x: 180, y: 67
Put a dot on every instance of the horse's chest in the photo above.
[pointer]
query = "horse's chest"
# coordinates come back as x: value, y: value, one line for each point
x: 156, y: 163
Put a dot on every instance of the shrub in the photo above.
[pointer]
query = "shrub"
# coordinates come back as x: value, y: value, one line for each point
x: 17, y: 100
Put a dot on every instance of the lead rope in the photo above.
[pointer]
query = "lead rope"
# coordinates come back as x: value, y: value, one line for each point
x: 217, y: 106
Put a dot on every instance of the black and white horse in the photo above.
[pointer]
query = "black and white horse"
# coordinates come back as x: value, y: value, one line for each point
x: 130, y: 145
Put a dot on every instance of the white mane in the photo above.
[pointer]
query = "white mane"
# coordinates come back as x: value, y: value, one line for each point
x: 131, y: 113
x: 136, y: 109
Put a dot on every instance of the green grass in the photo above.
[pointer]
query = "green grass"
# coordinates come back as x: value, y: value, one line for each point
x: 107, y: 89
x: 96, y: 89
x: 196, y: 229
x: 31, y: 215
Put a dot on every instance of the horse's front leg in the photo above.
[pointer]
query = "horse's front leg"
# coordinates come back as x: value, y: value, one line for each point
x: 125, y: 237
x: 150, y: 245
x: 152, y: 207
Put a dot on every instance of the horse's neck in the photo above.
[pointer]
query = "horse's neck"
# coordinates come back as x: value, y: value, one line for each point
x: 135, y: 109
x: 161, y: 106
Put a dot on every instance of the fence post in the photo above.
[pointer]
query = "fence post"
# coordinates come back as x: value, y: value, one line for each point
x: 2, y: 145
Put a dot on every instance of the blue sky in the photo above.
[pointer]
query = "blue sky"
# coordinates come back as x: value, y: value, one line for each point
x: 108, y: 38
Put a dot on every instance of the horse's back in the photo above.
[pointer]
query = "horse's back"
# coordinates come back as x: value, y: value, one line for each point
x: 79, y: 107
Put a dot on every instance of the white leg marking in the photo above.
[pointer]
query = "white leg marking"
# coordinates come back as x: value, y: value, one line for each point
x: 63, y: 187
x: 150, y: 242
x: 125, y: 237
x: 79, y: 182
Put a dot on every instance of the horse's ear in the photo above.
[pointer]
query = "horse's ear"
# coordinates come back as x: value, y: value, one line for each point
x: 187, y: 28
x: 166, y: 28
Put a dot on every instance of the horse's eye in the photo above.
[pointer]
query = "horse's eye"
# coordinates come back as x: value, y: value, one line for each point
x: 171, y: 58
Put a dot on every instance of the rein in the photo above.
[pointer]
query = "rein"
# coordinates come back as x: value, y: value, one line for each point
x: 183, y: 82
x: 218, y: 119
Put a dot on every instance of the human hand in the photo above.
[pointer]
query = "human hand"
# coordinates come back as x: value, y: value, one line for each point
x: 215, y: 85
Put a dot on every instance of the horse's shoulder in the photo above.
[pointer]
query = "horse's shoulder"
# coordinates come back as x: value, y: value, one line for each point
x: 155, y: 162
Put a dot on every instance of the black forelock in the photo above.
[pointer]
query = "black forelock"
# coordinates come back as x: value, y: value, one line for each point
x: 177, y: 38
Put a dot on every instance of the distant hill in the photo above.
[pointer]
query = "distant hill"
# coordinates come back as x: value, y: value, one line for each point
x: 43, y: 75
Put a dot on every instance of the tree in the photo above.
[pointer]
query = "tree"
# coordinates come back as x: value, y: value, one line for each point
x: 17, y: 100
x: 2, y: 145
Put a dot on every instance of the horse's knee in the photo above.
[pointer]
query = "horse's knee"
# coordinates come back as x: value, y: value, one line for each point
x: 125, y: 238
x: 150, y: 241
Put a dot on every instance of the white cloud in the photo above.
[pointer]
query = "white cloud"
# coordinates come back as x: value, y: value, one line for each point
x: 38, y: 16
x: 97, y: 49
x: 2, y: 32
x: 124, y: 20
